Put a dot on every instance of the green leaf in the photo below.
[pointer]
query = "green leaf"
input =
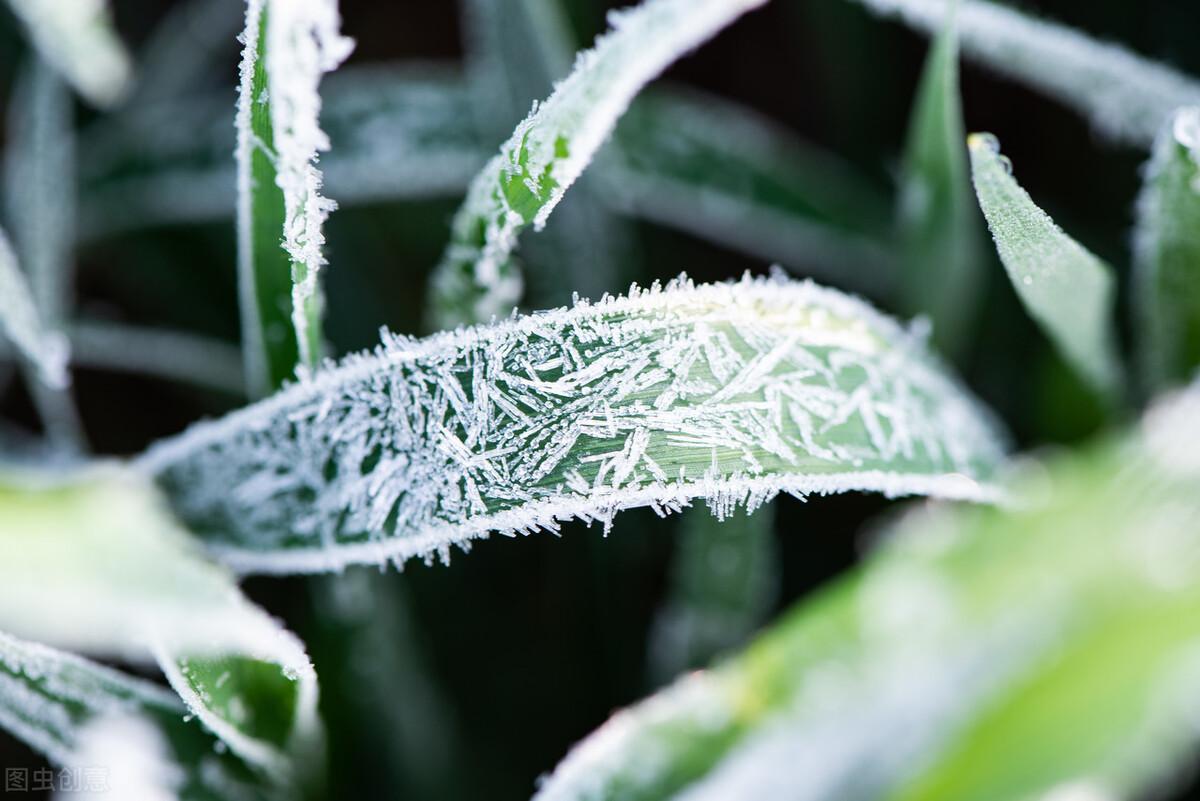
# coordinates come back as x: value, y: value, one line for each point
x: 718, y: 170
x: 729, y: 392
x: 1167, y: 255
x: 1126, y: 97
x: 288, y: 47
x: 79, y: 41
x: 939, y: 224
x: 1066, y: 289
x: 980, y: 653
x: 724, y: 578
x: 44, y: 348
x: 123, y: 735
x: 476, y: 278
x: 94, y: 562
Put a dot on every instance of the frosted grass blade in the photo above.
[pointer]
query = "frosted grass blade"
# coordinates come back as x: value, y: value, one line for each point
x: 938, y: 219
x: 45, y: 349
x: 1127, y: 97
x: 973, y: 644
x: 547, y: 152
x: 727, y: 392
x: 1066, y: 289
x: 1167, y: 255
x: 288, y: 46
x: 123, y: 735
x: 75, y: 575
x: 720, y: 171
x: 77, y: 38
x: 724, y: 578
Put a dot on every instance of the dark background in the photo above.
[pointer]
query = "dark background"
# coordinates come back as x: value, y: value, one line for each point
x: 531, y: 643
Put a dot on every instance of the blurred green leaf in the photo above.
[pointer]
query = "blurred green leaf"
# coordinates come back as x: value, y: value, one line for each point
x: 1057, y: 638
x: 94, y: 562
x: 1067, y: 290
x: 125, y: 736
x: 1167, y: 251
x: 939, y: 224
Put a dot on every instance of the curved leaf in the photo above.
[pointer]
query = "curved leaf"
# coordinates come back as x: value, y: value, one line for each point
x: 1066, y: 289
x: 982, y: 653
x: 1126, y: 96
x: 547, y: 152
x: 728, y: 392
x: 1167, y: 255
x: 94, y: 562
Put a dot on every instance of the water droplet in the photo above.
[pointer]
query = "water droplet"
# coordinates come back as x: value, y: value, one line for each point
x: 1027, y: 280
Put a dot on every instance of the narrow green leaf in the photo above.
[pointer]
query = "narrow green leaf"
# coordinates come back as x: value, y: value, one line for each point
x: 1167, y: 255
x: 124, y: 736
x: 729, y: 392
x: 718, y: 170
x: 981, y: 653
x: 1126, y: 97
x: 289, y: 45
x: 724, y: 580
x: 23, y: 326
x: 939, y: 223
x: 75, y: 575
x: 79, y: 41
x: 548, y: 151
x: 1066, y: 289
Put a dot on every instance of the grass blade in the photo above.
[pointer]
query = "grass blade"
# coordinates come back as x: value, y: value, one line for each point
x: 85, y: 716
x: 724, y: 580
x: 1127, y: 97
x: 78, y: 39
x: 289, y: 45
x: 1167, y: 255
x: 23, y: 325
x: 1066, y: 289
x: 718, y: 170
x: 967, y: 623
x: 547, y: 152
x: 75, y: 576
x: 728, y: 392
x: 939, y: 224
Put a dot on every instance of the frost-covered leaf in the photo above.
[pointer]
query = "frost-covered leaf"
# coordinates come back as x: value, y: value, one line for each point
x: 94, y: 562
x: 720, y: 171
x: 548, y: 151
x: 981, y: 653
x: 938, y: 219
x: 1167, y: 255
x: 46, y: 350
x: 77, y: 38
x: 288, y: 46
x: 1065, y: 288
x: 724, y: 579
x: 398, y: 131
x: 728, y: 392
x: 1127, y: 97
x: 126, y: 737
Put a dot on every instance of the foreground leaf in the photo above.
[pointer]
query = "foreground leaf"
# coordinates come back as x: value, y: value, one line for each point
x: 289, y: 45
x: 123, y: 735
x: 77, y: 574
x: 1066, y: 289
x: 79, y: 40
x: 729, y: 392
x: 1167, y: 255
x: 547, y: 152
x: 982, y: 653
x: 939, y: 225
x: 1126, y: 97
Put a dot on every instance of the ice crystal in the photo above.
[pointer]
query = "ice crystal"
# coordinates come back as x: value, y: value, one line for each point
x: 729, y: 392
